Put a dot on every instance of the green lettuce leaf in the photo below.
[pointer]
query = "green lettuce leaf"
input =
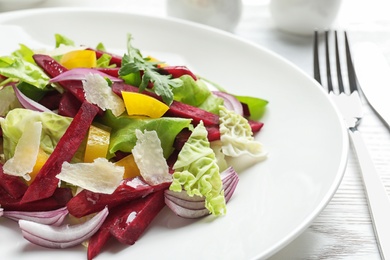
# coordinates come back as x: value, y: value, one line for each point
x: 32, y: 92
x: 211, y: 104
x: 19, y: 69
x: 197, y: 172
x: 104, y: 61
x: 100, y: 47
x: 53, y: 128
x: 123, y: 136
x: 257, y: 106
x: 196, y: 93
x: 25, y: 53
x: 63, y: 40
x: 8, y: 100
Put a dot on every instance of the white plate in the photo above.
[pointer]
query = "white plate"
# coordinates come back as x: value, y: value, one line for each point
x: 276, y: 199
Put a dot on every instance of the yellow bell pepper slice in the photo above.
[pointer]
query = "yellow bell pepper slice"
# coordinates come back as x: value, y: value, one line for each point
x: 97, y: 143
x: 143, y: 106
x: 79, y: 59
x: 41, y: 160
x: 131, y: 168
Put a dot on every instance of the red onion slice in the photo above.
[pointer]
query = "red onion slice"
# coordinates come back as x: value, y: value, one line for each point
x: 79, y: 74
x: 63, y: 236
x: 229, y: 181
x: 184, y: 200
x: 230, y: 189
x: 185, y: 212
x: 52, y: 217
x: 1, y: 212
x: 230, y: 102
x: 28, y: 103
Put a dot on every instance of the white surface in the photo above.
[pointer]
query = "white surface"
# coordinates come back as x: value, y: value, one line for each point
x: 372, y: 79
x: 276, y: 199
x: 304, y: 16
x: 343, y: 230
x: 221, y: 14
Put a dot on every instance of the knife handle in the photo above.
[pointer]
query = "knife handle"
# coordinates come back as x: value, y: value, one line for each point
x: 377, y: 198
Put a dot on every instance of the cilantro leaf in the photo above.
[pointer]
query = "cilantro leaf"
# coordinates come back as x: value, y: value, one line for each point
x: 134, y: 63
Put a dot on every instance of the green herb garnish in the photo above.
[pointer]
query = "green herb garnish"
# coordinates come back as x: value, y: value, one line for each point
x: 133, y: 63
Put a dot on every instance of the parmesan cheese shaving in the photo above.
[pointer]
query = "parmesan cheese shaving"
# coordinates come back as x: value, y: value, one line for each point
x: 26, y: 152
x: 100, y: 176
x: 148, y: 156
x: 98, y: 92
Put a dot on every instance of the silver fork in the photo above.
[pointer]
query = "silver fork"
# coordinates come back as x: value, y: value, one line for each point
x: 349, y: 104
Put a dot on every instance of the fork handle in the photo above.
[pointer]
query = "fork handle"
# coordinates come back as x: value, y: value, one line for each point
x: 378, y: 200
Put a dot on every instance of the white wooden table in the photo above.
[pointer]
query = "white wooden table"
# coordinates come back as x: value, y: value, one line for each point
x: 344, y: 229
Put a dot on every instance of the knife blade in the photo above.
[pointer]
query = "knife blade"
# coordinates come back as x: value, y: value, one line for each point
x: 373, y: 74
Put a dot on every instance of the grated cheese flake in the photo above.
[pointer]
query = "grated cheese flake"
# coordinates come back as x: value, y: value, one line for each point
x: 98, y: 92
x: 148, y: 156
x: 101, y: 176
x: 26, y: 152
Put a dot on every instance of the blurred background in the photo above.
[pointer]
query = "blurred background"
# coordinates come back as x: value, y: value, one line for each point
x: 252, y: 20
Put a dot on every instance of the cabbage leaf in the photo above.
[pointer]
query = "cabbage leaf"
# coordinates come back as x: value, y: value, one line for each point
x: 13, y: 125
x: 237, y: 136
x: 197, y: 172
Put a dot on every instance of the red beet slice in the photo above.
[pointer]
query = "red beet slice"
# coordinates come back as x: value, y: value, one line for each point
x: 98, y: 240
x: 255, y: 125
x: 51, y: 100
x: 177, y: 71
x: 131, y: 219
x: 114, y: 72
x: 59, y: 199
x: 127, y: 222
x: 13, y: 185
x: 178, y: 109
x: 115, y: 59
x: 46, y: 182
x: 87, y: 202
x: 52, y: 68
x: 69, y: 105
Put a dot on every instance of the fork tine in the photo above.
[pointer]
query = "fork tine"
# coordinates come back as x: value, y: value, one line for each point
x: 317, y: 74
x: 338, y: 65
x: 350, y: 67
x: 328, y: 67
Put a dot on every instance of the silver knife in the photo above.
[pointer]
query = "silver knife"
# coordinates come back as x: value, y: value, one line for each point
x: 373, y: 74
